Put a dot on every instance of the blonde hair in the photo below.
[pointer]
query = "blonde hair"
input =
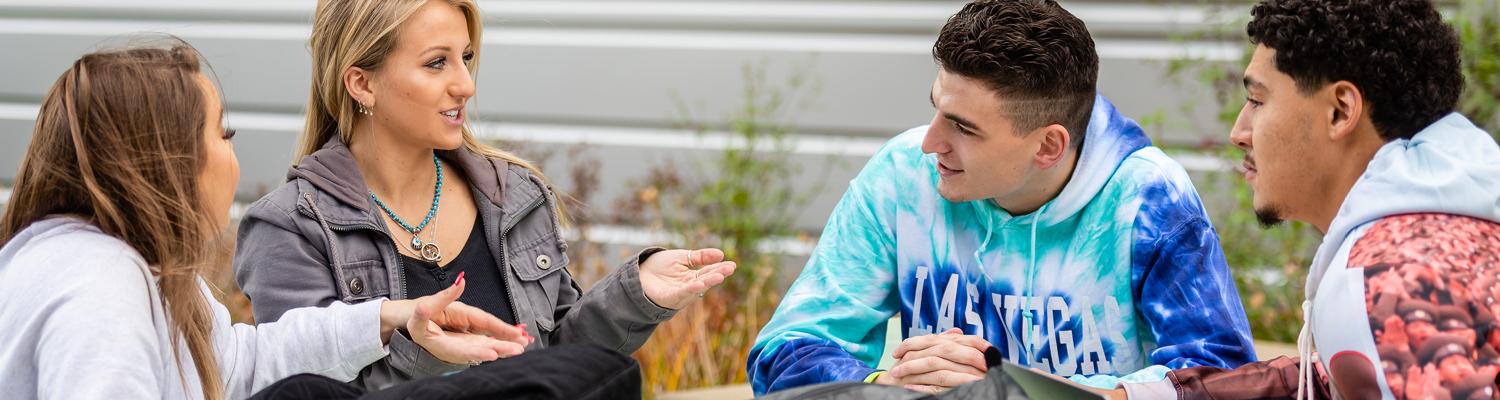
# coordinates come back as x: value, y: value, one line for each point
x: 362, y: 33
x: 119, y: 142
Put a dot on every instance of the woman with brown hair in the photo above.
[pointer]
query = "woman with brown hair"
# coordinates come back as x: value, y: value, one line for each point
x: 392, y: 196
x: 114, y: 218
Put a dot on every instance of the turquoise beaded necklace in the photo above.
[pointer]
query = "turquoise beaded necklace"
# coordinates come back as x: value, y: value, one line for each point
x: 428, y: 250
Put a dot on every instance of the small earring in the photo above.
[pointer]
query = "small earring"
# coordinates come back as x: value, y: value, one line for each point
x: 364, y: 110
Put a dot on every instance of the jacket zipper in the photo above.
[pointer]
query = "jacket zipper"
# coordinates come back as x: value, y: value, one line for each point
x: 506, y: 268
x: 333, y: 250
x: 401, y: 276
x: 390, y: 252
x: 510, y: 290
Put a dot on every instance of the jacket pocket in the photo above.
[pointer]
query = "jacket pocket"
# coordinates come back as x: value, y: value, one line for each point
x: 363, y: 280
x: 540, y: 267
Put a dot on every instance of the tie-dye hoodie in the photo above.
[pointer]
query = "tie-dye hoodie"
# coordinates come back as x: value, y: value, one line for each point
x: 1120, y: 271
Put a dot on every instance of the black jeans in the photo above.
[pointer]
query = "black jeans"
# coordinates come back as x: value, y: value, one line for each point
x: 582, y: 371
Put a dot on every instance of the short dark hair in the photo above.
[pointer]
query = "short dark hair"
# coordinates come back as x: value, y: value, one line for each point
x: 1033, y: 52
x: 1399, y: 53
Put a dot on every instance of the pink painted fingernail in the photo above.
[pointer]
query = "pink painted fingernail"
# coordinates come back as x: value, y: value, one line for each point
x: 459, y: 280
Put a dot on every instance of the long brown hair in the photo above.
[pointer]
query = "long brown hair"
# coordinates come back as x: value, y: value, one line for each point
x: 119, y: 142
x: 362, y: 33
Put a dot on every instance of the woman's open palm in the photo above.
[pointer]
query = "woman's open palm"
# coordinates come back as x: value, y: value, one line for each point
x: 462, y: 334
x: 676, y: 278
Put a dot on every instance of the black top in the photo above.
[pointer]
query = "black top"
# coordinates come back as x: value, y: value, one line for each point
x: 485, y: 290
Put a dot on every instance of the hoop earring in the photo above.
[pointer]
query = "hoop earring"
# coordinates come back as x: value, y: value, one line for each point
x: 364, y: 110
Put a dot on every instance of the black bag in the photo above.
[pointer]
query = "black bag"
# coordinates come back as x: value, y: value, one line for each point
x: 583, y: 371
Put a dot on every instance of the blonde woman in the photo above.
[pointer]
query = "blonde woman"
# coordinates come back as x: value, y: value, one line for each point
x: 393, y: 197
x: 127, y: 181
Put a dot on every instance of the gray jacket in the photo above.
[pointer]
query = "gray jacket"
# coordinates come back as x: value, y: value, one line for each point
x: 317, y: 239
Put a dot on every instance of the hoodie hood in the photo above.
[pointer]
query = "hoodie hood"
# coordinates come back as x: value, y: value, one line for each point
x: 333, y: 171
x: 1450, y: 167
x: 1111, y: 138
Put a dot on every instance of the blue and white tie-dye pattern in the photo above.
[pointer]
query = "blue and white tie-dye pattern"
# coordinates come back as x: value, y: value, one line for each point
x: 1120, y: 272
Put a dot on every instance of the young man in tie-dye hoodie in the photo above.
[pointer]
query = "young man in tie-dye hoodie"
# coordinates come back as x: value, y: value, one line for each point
x: 1029, y: 216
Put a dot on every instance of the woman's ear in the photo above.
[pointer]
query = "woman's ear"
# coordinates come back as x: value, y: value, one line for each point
x: 358, y: 82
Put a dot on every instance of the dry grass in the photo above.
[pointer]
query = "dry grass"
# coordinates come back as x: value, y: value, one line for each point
x: 707, y: 343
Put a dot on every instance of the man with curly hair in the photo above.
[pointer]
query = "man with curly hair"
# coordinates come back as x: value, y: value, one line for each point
x: 1030, y: 216
x: 1349, y: 126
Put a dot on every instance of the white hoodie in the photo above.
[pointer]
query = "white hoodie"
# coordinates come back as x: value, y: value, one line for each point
x: 1451, y: 167
x: 83, y: 319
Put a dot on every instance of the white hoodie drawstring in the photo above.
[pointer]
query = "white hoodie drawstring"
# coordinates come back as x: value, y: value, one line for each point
x: 1031, y: 276
x: 1031, y: 267
x: 989, y: 229
x: 1030, y: 288
x: 1304, y: 350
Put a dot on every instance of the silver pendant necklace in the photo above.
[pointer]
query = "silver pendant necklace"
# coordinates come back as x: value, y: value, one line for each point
x: 428, y: 250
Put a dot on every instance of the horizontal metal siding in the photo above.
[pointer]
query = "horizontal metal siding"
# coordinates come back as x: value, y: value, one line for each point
x: 558, y: 73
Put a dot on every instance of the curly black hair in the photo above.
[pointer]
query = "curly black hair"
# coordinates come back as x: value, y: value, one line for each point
x: 1399, y: 53
x: 1033, y: 52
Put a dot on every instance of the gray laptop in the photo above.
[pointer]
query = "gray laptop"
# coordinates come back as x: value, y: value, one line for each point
x: 1040, y: 385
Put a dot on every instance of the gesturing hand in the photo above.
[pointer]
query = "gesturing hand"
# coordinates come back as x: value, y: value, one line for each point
x: 1423, y: 384
x: 934, y: 363
x: 676, y: 278
x: 455, y: 332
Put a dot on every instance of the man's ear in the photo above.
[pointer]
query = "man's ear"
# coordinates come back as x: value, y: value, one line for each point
x: 357, y: 81
x: 1053, y: 146
x: 1348, y: 108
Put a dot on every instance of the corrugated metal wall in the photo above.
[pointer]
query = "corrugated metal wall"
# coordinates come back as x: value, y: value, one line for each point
x: 609, y: 75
